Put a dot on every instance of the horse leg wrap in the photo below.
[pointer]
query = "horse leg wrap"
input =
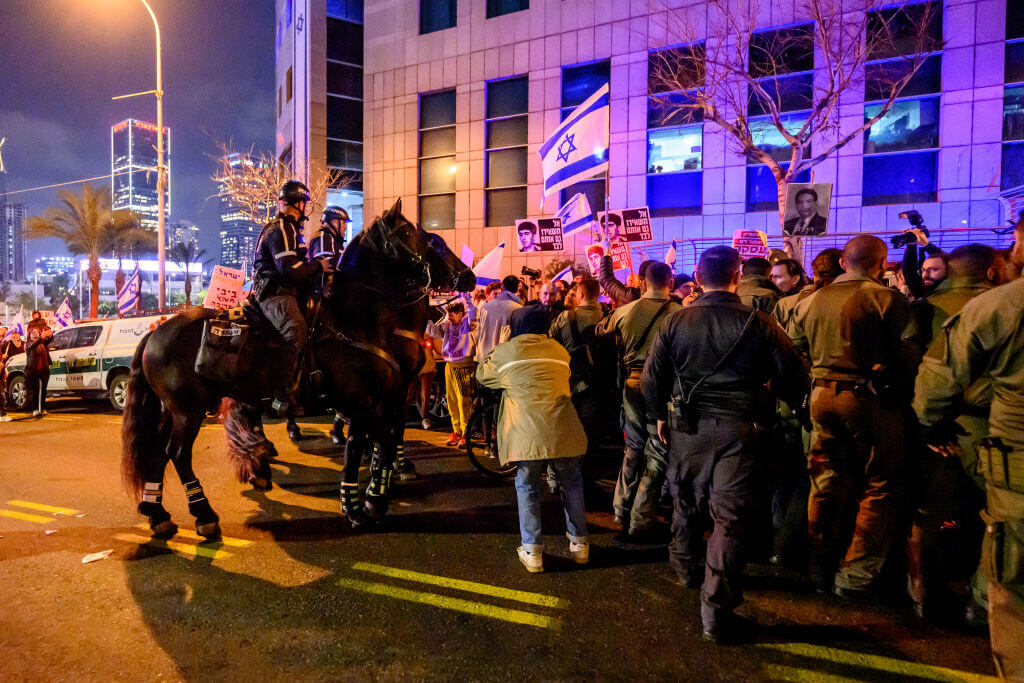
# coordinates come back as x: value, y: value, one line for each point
x: 152, y: 507
x: 405, y: 469
x: 198, y: 505
x: 351, y: 506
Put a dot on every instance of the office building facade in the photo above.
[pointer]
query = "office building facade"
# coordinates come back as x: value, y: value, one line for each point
x: 319, y: 105
x: 461, y: 94
x: 181, y: 232
x: 12, y: 241
x: 238, y: 231
x: 133, y: 175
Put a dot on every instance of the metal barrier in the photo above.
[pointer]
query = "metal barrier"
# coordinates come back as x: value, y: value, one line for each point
x: 689, y: 249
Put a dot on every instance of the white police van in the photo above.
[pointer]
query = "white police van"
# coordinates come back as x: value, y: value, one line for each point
x: 90, y: 358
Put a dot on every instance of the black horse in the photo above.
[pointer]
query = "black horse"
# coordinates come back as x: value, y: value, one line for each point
x: 388, y: 264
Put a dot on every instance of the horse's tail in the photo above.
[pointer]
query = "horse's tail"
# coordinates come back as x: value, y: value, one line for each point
x: 140, y: 426
x: 248, y: 448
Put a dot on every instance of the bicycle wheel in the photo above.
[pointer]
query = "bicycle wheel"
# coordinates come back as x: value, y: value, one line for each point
x: 482, y: 447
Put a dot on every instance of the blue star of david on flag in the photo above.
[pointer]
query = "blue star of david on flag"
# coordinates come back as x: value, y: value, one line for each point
x: 578, y: 149
x: 566, y: 147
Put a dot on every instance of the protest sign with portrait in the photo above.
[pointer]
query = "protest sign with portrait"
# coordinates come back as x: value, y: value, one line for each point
x: 539, y: 234
x: 807, y: 207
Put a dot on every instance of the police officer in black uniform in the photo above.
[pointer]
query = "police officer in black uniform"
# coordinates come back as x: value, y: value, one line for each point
x: 329, y: 241
x: 280, y: 273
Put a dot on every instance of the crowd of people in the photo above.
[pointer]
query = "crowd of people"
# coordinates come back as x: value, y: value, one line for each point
x: 864, y: 425
x: 37, y: 365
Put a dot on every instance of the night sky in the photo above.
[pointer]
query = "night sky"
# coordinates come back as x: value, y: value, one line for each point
x: 62, y: 60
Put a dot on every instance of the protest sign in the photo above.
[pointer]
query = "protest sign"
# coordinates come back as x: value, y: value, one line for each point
x: 225, y: 290
x: 539, y: 234
x: 621, y: 257
x: 750, y: 243
x: 629, y: 225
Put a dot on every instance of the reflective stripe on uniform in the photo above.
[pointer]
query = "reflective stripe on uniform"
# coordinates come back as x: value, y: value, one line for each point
x: 284, y: 253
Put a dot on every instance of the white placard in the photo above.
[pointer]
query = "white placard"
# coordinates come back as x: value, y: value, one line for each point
x: 225, y: 289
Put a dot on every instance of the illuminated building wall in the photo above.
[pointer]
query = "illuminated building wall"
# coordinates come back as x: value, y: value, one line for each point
x: 238, y: 232
x: 133, y: 160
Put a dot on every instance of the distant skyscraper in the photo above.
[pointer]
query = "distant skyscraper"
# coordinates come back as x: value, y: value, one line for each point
x: 238, y: 232
x: 183, y: 232
x: 133, y: 169
x: 12, y: 234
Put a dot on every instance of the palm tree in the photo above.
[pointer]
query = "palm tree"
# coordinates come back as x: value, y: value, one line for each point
x: 88, y: 226
x: 185, y: 255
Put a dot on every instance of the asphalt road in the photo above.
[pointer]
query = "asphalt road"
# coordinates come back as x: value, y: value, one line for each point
x: 435, y: 592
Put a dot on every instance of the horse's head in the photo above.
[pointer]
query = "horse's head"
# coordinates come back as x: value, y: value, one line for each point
x: 404, y: 238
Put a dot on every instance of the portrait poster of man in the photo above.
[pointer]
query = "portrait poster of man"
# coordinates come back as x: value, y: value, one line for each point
x: 807, y: 207
x: 628, y: 225
x: 539, y: 234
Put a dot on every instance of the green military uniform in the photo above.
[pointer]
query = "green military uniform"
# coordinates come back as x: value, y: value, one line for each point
x: 945, y: 490
x: 758, y: 292
x: 987, y: 336
x: 646, y: 458
x: 857, y: 448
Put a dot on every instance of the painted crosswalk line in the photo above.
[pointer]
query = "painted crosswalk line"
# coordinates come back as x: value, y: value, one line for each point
x: 454, y: 604
x: 224, y: 540
x: 26, y: 517
x: 878, y: 663
x: 52, y: 509
x: 209, y: 551
x: 462, y: 585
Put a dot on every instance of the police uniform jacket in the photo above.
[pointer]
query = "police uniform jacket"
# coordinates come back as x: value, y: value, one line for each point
x: 692, y: 341
x: 325, y: 245
x: 280, y: 256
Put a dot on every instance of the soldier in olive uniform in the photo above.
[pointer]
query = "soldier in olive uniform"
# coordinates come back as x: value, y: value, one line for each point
x: 756, y: 288
x: 860, y: 336
x: 945, y: 490
x: 646, y: 458
x: 987, y: 336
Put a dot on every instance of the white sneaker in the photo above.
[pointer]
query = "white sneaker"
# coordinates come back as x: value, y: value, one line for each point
x: 425, y: 424
x: 580, y: 552
x: 36, y: 413
x: 5, y: 418
x: 534, y: 562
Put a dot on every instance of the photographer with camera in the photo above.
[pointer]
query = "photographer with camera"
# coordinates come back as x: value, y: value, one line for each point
x: 714, y: 359
x: 921, y: 279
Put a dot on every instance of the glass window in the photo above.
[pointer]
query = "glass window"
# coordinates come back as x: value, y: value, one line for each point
x: 1015, y: 19
x: 88, y: 336
x: 909, y: 124
x: 900, y: 179
x: 508, y: 97
x: 344, y: 41
x: 436, y: 15
x: 1013, y: 166
x: 346, y: 9
x: 506, y: 206
x: 343, y: 79
x: 580, y: 82
x: 782, y: 51
x: 506, y: 167
x: 675, y: 194
x: 879, y: 77
x: 437, y: 109
x: 437, y: 141
x: 1013, y: 113
x: 437, y: 212
x: 496, y: 8
x: 676, y: 68
x: 763, y: 191
x: 506, y: 132
x: 344, y: 118
x: 344, y: 154
x: 902, y: 30
x: 592, y: 189
x: 665, y: 110
x: 768, y: 138
x: 675, y: 149
x: 437, y: 175
x: 1014, y: 63
x: 789, y: 93
x: 288, y: 85
x: 64, y: 339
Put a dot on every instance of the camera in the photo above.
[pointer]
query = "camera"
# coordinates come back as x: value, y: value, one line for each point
x: 531, y: 273
x: 906, y: 239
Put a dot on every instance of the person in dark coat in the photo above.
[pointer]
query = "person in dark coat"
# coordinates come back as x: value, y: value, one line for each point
x: 37, y: 368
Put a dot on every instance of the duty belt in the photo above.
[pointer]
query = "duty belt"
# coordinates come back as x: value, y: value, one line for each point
x: 1001, y: 465
x: 839, y: 384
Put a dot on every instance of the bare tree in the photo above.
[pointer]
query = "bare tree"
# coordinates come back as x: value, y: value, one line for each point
x: 251, y: 181
x: 738, y: 76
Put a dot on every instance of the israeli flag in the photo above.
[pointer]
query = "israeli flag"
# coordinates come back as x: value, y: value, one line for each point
x: 565, y: 275
x: 575, y: 215
x: 670, y: 256
x: 578, y: 149
x: 128, y: 297
x: 16, y: 325
x: 64, y: 316
x: 489, y: 268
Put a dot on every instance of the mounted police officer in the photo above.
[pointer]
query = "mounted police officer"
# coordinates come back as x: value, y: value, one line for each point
x: 280, y: 273
x: 329, y: 241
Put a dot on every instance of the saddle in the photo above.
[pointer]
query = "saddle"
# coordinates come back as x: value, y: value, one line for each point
x: 231, y: 338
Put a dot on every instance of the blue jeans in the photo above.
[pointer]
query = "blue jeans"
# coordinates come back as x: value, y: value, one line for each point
x: 570, y: 483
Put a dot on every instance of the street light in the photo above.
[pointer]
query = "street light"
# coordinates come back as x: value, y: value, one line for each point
x: 161, y: 169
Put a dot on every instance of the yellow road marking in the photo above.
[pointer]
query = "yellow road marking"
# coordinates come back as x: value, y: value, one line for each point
x: 455, y: 604
x: 459, y: 584
x: 59, y: 418
x: 40, y: 506
x: 877, y: 662
x: 789, y: 673
x: 14, y: 514
x: 225, y: 540
x: 200, y: 550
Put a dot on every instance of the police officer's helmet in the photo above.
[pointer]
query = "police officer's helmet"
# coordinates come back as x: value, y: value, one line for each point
x: 335, y: 213
x: 293, y: 192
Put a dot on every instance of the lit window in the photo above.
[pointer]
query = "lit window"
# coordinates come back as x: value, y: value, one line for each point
x: 437, y: 160
x: 507, y: 106
x: 674, y: 149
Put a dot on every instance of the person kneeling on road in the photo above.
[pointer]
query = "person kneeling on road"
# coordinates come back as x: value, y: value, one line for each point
x: 538, y: 427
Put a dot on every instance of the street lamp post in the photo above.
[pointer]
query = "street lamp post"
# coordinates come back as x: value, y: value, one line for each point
x: 161, y: 168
